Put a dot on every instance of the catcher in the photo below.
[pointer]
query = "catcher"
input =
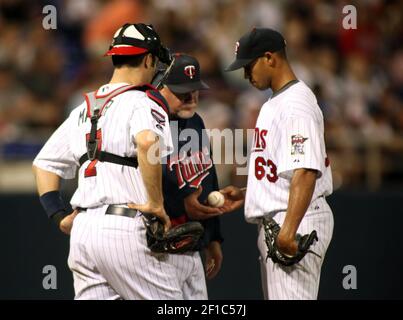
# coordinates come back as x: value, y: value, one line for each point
x: 116, y: 139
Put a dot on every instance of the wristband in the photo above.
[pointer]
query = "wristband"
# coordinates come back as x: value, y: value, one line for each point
x: 53, y: 204
x: 58, y: 217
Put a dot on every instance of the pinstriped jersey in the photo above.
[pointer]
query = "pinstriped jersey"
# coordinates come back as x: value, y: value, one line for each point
x: 122, y: 118
x: 289, y: 135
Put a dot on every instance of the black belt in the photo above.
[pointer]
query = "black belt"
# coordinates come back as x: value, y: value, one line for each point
x: 121, y: 211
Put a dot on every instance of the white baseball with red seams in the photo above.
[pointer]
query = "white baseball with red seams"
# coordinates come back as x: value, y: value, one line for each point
x: 216, y: 199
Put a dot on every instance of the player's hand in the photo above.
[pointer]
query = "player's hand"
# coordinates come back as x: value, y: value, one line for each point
x: 67, y: 222
x: 197, y: 211
x: 234, y: 198
x: 155, y: 210
x: 287, y: 244
x: 214, y: 259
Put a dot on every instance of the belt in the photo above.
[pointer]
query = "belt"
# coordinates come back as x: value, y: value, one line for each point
x: 131, y: 213
x: 127, y: 212
x: 121, y: 211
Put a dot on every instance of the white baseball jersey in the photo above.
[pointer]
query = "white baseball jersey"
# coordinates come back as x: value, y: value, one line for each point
x: 109, y: 256
x: 289, y: 134
x: 102, y: 182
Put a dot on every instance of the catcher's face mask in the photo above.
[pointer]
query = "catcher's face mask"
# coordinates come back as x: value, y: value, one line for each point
x: 161, y: 74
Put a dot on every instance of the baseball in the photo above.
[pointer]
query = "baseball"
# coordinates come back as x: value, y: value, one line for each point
x: 215, y: 199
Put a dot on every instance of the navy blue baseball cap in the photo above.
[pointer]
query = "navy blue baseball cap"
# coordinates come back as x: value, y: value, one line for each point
x: 185, y: 75
x: 254, y: 44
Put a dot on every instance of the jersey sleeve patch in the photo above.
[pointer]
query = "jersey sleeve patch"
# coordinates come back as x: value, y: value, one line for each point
x: 159, y: 118
x: 297, y: 144
x: 157, y: 97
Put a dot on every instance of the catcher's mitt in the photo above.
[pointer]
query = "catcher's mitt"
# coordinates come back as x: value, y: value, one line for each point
x: 179, y: 239
x: 272, y: 229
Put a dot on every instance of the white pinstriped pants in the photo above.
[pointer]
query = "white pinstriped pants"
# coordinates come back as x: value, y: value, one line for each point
x: 110, y: 259
x: 301, y: 281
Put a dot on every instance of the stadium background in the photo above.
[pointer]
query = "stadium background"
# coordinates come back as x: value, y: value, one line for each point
x: 357, y: 76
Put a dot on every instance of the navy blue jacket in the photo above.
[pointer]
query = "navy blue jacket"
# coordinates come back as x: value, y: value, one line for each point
x: 188, y: 167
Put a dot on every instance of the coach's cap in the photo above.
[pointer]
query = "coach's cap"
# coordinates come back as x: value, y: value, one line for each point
x: 185, y: 75
x: 254, y: 44
x: 138, y: 38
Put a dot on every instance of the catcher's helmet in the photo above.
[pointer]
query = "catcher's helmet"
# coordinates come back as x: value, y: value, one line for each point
x: 138, y: 38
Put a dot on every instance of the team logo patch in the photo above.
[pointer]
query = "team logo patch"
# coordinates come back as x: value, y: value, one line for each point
x: 191, y: 169
x: 297, y: 144
x: 190, y: 71
x: 159, y: 118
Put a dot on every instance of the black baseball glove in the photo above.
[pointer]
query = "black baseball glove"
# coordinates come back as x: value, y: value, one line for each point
x: 272, y: 229
x: 179, y: 239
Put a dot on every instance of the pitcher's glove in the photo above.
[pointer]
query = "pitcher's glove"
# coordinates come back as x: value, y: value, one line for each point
x: 272, y: 229
x: 179, y: 239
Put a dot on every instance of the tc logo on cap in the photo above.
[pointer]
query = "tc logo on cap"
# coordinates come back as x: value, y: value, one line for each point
x: 190, y: 71
x: 236, y: 47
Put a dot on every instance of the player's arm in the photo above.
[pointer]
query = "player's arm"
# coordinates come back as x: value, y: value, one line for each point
x: 149, y: 159
x: 195, y: 209
x: 54, y: 162
x: 213, y: 259
x: 151, y: 172
x: 46, y: 181
x: 212, y: 234
x: 48, y: 184
x: 301, y: 191
x: 198, y: 211
x: 234, y: 198
x: 150, y: 132
x: 212, y: 239
x: 302, y: 166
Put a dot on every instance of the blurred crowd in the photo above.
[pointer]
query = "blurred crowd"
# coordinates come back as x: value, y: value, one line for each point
x: 357, y: 74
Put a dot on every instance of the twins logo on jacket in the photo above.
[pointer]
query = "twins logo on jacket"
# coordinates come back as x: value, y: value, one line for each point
x: 191, y: 167
x: 187, y: 168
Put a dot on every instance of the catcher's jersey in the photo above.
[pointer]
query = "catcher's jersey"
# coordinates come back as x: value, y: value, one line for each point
x: 101, y: 183
x: 289, y: 134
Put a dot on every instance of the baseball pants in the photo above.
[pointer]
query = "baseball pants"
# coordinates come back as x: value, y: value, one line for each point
x: 110, y: 259
x: 300, y: 281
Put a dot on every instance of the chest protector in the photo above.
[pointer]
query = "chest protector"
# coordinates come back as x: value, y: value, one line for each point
x: 95, y: 106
